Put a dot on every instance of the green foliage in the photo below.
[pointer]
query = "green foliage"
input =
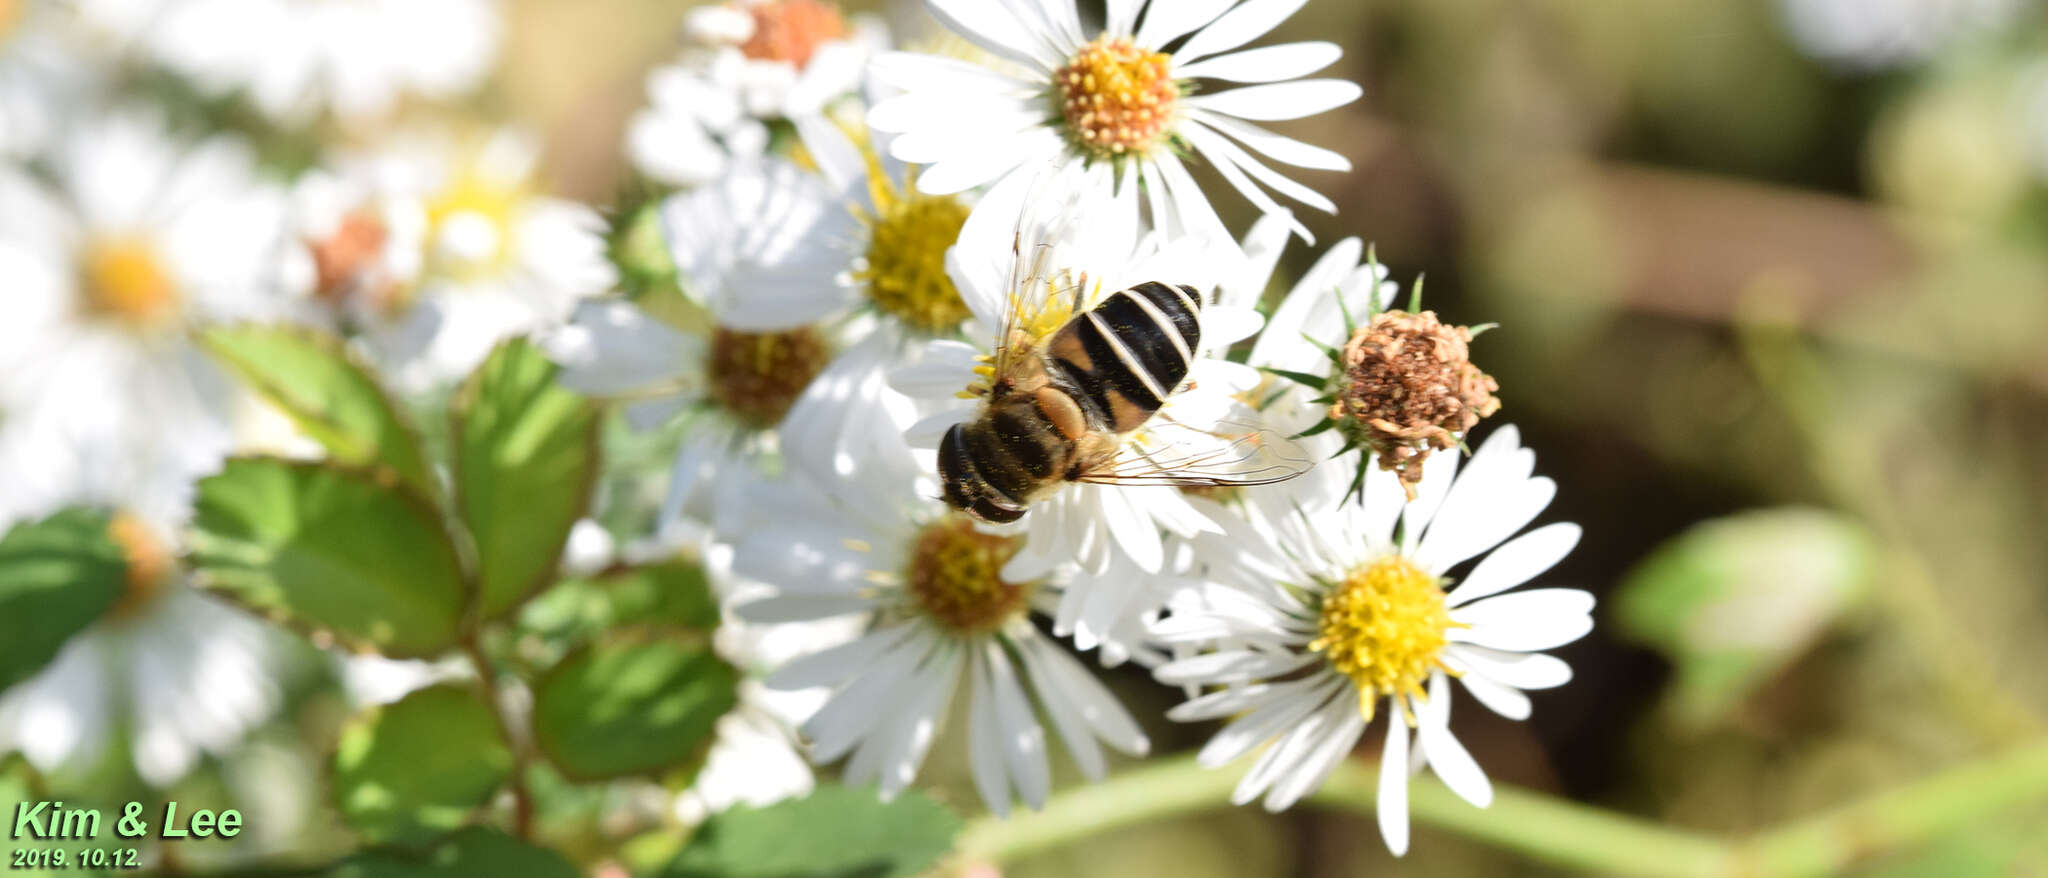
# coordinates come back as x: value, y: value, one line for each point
x: 330, y: 548
x: 632, y: 707
x: 329, y: 395
x: 415, y: 769
x: 835, y: 832
x: 471, y: 852
x: 57, y: 575
x: 18, y: 784
x: 1735, y: 599
x: 670, y: 594
x: 526, y: 459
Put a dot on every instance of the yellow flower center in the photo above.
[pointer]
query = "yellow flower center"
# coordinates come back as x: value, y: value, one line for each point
x: 908, y: 237
x: 470, y: 225
x: 955, y: 577
x: 10, y: 13
x: 1117, y: 98
x: 1384, y: 626
x: 127, y: 281
x: 757, y: 376
x: 150, y: 564
x: 792, y: 30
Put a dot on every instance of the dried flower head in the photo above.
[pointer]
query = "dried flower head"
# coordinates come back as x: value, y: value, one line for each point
x: 1408, y: 388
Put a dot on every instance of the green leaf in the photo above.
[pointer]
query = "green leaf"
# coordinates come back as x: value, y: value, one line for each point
x: 415, y: 769
x: 835, y: 832
x: 333, y: 398
x: 57, y: 576
x: 1321, y: 426
x: 670, y: 594
x: 330, y: 548
x: 632, y: 707
x: 20, y: 785
x: 526, y: 460
x: 1733, y: 600
x: 1312, y: 382
x: 471, y: 852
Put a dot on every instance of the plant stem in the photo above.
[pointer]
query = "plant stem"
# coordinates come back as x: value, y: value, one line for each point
x: 522, y: 798
x: 1550, y: 829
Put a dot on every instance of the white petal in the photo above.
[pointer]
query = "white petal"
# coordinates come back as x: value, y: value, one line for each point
x: 1526, y: 621
x: 985, y: 734
x: 1247, y: 22
x: 1230, y: 667
x: 1268, y: 720
x: 987, y: 25
x: 801, y: 608
x: 1166, y: 20
x: 1286, y: 756
x: 1393, y: 798
x: 1266, y: 64
x: 1096, y: 704
x: 1282, y: 100
x: 1314, y: 766
x: 1522, y: 670
x: 1448, y: 757
x: 1024, y: 739
x: 1507, y: 702
x: 920, y: 725
x: 1277, y: 147
x: 1438, y: 472
x: 1233, y: 162
x: 1066, y: 718
x: 1516, y: 562
x: 837, y: 664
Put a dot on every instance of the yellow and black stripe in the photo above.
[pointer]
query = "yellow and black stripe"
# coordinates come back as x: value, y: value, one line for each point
x: 1125, y: 356
x: 1110, y: 369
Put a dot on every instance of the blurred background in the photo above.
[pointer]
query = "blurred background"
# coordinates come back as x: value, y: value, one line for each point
x: 1772, y: 277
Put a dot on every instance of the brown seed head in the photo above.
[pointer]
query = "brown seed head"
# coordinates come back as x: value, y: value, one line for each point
x: 1409, y: 388
x: 756, y: 377
x: 955, y: 577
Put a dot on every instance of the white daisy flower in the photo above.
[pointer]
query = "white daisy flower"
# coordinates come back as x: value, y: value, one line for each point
x: 438, y: 247
x: 1346, y: 613
x: 295, y: 59
x: 750, y: 61
x: 750, y: 252
x: 141, y: 240
x: 940, y: 621
x: 1122, y: 100
x: 1071, y: 240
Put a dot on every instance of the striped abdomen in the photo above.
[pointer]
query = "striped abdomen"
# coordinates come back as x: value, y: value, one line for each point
x: 1106, y: 371
x: 1124, y: 357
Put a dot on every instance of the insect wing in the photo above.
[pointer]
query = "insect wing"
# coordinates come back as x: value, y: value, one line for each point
x: 1237, y: 449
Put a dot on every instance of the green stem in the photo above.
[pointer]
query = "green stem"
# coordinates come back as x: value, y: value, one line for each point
x: 1549, y: 829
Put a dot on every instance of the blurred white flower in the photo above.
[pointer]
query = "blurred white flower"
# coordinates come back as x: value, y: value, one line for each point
x: 437, y: 246
x: 751, y: 251
x: 940, y: 621
x: 45, y: 72
x: 1123, y: 100
x: 748, y: 62
x: 1341, y: 613
x: 184, y: 674
x: 1878, y: 34
x: 141, y: 240
x: 295, y: 59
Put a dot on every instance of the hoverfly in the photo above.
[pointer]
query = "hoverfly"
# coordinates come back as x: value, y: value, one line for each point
x: 1083, y: 403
